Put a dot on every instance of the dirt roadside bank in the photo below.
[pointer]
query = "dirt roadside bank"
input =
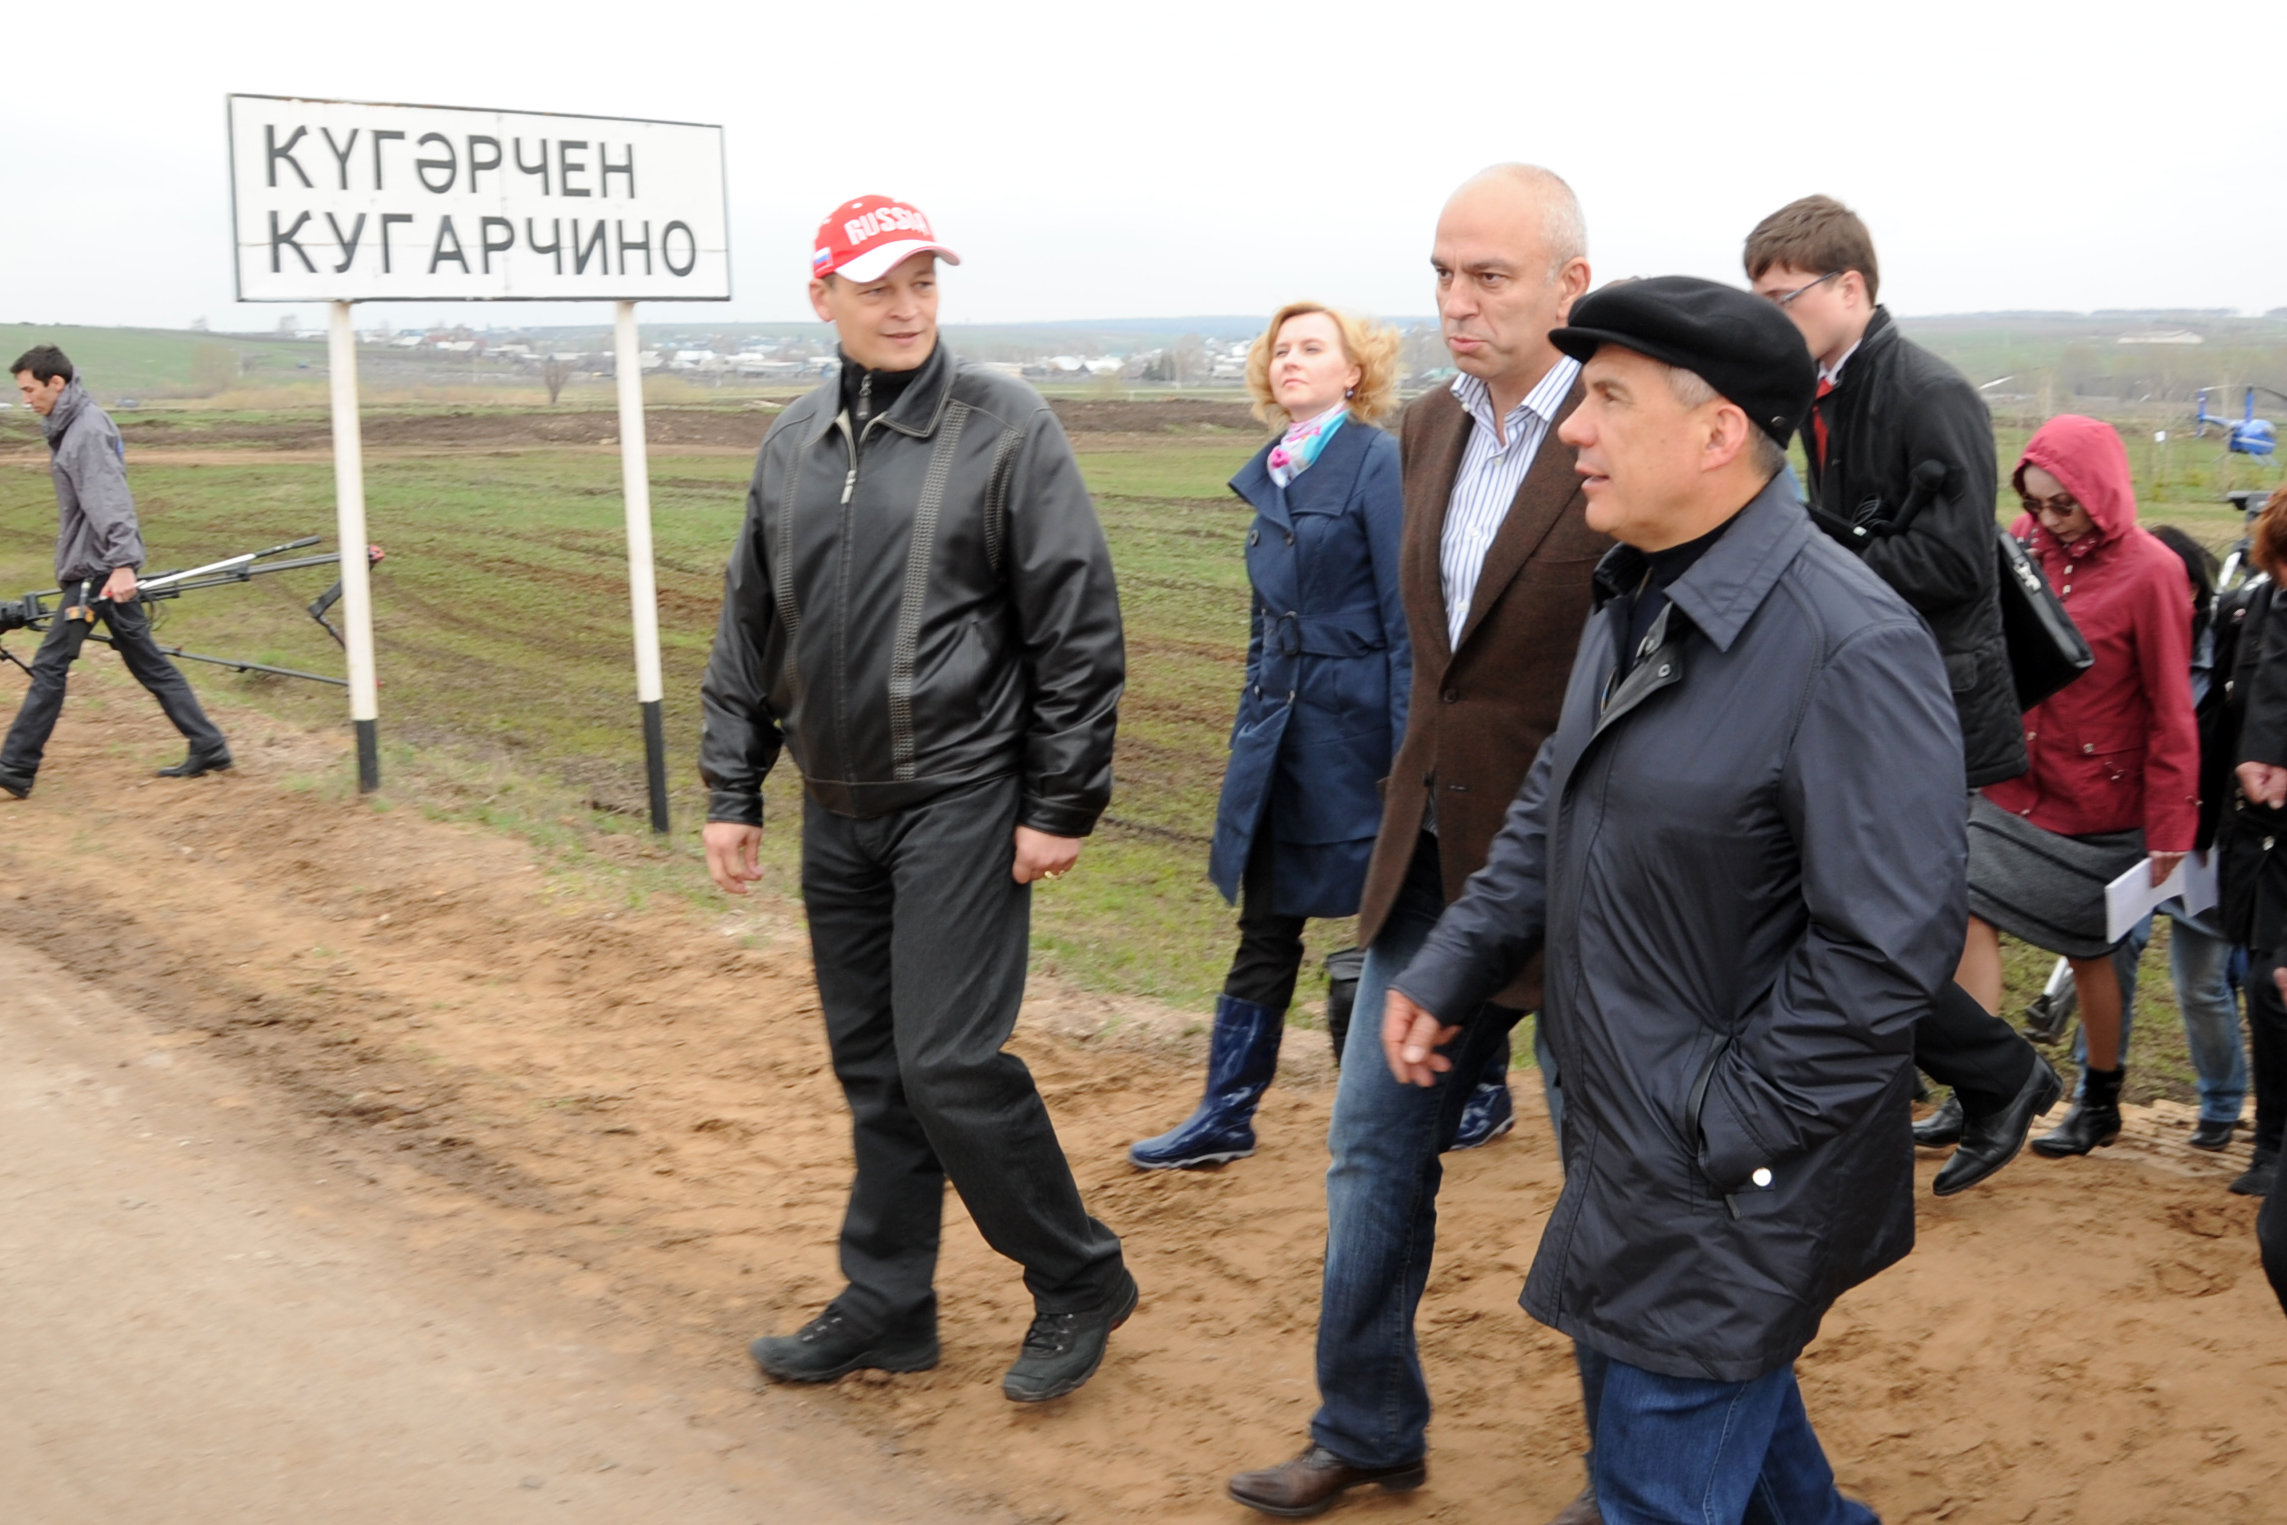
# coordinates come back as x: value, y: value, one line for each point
x: 632, y: 1110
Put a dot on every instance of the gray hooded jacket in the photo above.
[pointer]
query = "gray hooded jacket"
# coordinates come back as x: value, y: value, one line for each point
x: 1745, y: 860
x: 95, y: 513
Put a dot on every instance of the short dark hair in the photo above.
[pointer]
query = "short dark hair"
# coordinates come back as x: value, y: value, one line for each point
x: 2200, y: 567
x: 45, y: 362
x: 1818, y: 234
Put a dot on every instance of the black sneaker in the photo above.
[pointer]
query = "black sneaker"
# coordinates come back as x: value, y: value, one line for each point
x: 17, y: 785
x: 830, y: 1346
x: 1062, y: 1350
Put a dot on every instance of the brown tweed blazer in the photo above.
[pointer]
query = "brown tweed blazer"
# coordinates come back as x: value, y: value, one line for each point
x: 1480, y: 712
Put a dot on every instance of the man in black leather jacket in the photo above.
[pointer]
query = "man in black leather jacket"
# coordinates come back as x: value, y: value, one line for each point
x: 921, y: 607
x: 1889, y: 412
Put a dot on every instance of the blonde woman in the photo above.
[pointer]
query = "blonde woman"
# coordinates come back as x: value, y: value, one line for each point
x: 1324, y: 704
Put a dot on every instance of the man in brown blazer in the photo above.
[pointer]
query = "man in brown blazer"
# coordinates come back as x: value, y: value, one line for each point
x: 1496, y: 572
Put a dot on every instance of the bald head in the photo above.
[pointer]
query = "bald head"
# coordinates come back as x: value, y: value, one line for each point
x: 1511, y: 256
x: 1527, y: 194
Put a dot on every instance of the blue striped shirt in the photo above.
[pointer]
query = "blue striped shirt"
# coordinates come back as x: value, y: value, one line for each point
x: 1487, y: 482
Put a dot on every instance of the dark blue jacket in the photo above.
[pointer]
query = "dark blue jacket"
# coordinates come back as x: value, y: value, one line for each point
x: 1328, y: 664
x: 1745, y: 862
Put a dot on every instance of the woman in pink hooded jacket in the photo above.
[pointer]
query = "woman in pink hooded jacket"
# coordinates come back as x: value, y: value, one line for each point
x: 2115, y: 754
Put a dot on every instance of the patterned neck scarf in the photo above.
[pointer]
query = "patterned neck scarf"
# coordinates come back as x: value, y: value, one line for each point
x: 1292, y: 455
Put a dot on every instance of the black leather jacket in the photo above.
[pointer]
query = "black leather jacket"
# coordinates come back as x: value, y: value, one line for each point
x: 1897, y: 406
x: 927, y: 606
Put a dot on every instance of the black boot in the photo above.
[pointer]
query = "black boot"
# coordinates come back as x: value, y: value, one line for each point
x: 2094, y: 1120
x: 1990, y: 1140
x: 2261, y: 1178
x: 1344, y: 966
x: 1942, y: 1128
x: 198, y: 766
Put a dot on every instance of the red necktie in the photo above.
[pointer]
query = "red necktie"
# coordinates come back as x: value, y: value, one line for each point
x: 1818, y: 424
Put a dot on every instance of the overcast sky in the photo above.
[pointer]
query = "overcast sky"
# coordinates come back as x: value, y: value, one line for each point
x: 1171, y: 157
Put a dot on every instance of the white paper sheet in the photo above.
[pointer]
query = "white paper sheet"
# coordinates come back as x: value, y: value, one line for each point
x: 2133, y: 896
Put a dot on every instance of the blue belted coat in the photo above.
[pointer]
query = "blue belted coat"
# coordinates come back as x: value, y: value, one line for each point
x: 1328, y: 664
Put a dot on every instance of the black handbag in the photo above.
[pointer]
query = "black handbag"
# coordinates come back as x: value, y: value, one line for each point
x: 2046, y: 649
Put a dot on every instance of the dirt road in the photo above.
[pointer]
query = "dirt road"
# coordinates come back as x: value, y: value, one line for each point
x: 569, y: 1101
x: 205, y: 1330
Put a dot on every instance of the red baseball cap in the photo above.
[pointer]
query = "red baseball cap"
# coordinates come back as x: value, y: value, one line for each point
x: 865, y: 239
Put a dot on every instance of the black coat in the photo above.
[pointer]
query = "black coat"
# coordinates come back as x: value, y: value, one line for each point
x: 1747, y: 870
x: 1897, y: 406
x: 2251, y: 839
x: 919, y: 604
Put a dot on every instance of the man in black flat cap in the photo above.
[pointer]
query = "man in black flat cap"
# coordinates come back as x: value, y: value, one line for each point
x: 1742, y: 855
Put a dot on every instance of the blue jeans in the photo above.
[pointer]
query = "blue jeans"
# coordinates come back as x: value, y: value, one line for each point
x: 1688, y: 1451
x: 1381, y: 1201
x: 2207, y: 971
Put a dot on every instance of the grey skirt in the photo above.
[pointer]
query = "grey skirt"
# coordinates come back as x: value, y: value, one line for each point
x: 2041, y: 887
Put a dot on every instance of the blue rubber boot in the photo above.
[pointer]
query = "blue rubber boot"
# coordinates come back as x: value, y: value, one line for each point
x: 1240, y: 1063
x: 1489, y: 1112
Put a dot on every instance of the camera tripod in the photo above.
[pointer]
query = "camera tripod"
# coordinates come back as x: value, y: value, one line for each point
x: 38, y: 611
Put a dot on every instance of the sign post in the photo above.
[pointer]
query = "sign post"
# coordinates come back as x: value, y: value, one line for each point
x: 342, y: 201
x: 349, y: 532
x: 643, y: 595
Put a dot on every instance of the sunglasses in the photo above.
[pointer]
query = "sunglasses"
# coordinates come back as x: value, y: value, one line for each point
x: 2063, y: 506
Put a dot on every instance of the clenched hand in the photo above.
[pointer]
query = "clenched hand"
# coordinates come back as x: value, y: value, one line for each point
x: 1041, y: 856
x: 2264, y: 784
x: 1411, y: 1038
x: 734, y: 854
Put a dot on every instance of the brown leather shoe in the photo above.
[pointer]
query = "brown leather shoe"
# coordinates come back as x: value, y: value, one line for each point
x: 1581, y: 1511
x: 1315, y: 1482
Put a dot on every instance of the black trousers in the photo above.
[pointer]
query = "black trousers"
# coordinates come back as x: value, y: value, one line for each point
x: 1269, y: 960
x: 130, y: 631
x: 2271, y: 1239
x: 1959, y: 1043
x: 2267, y: 1050
x: 920, y: 938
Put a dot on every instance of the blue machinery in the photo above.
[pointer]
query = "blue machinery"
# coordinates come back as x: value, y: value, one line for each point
x: 2246, y: 435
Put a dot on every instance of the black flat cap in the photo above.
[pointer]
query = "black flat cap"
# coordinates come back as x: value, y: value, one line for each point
x: 1738, y: 343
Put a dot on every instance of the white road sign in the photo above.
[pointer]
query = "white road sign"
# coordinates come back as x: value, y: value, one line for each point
x: 340, y: 201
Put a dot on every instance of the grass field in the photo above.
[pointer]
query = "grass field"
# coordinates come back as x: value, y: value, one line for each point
x: 501, y: 623
x: 501, y: 626
x: 160, y: 362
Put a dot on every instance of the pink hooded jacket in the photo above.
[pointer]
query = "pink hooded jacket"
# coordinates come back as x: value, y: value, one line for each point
x: 2116, y: 748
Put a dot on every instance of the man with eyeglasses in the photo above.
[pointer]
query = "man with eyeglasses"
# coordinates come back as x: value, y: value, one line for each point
x: 1900, y: 451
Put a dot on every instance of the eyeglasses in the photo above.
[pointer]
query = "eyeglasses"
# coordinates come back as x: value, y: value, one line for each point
x: 1787, y: 299
x: 2063, y: 506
